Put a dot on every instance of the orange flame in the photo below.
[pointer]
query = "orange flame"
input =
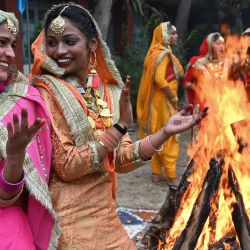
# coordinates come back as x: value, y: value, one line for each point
x: 227, y: 102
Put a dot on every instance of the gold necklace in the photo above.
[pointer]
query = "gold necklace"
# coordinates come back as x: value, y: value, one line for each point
x: 98, y: 106
x: 216, y: 66
x: 94, y: 103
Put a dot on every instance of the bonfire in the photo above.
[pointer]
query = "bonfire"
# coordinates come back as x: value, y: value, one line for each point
x: 211, y: 207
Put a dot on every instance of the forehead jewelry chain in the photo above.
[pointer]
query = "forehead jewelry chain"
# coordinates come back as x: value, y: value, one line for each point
x: 58, y: 25
x: 11, y: 27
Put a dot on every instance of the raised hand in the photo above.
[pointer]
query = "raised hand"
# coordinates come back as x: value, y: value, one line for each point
x: 126, y: 113
x: 180, y: 122
x: 20, y: 135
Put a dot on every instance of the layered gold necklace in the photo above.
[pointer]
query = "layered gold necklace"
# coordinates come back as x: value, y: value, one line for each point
x: 216, y: 68
x: 98, y: 106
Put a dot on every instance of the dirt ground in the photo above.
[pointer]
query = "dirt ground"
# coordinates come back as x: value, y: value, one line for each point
x: 136, y: 190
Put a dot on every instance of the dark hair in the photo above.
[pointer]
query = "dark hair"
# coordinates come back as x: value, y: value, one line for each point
x: 74, y: 13
x: 216, y: 36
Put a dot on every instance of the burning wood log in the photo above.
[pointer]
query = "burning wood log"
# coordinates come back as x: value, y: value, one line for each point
x: 239, y: 129
x: 169, y: 209
x: 157, y: 228
x: 190, y: 235
x: 239, y: 215
x: 229, y: 240
x: 213, y: 217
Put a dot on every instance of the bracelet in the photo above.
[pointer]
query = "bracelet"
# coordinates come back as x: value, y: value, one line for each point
x: 9, y: 187
x: 122, y: 130
x: 6, y: 203
x: 147, y: 148
x: 173, y: 99
x: 103, y: 148
x: 108, y: 140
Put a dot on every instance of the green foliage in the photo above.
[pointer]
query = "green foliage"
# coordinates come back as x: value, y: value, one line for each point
x: 131, y: 63
x: 136, y: 5
x: 153, y: 21
x: 181, y: 51
x: 37, y: 31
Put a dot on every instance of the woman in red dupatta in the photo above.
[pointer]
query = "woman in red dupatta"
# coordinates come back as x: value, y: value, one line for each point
x: 210, y: 63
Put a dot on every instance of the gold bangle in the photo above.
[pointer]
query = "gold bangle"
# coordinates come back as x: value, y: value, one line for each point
x: 174, y: 99
x: 102, y: 144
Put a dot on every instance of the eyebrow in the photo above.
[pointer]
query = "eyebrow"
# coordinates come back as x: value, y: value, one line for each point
x: 7, y: 39
x: 67, y: 35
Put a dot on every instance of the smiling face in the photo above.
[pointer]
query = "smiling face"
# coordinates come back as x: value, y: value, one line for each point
x: 70, y: 49
x: 7, y: 55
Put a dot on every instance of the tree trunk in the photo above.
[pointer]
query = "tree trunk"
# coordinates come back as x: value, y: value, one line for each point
x: 183, y: 13
x: 102, y: 15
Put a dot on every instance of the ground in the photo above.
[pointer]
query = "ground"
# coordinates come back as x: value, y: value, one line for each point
x: 138, y: 198
x: 136, y: 190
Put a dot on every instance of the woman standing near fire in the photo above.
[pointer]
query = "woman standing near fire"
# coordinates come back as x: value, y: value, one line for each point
x: 157, y: 98
x: 90, y: 109
x: 210, y: 65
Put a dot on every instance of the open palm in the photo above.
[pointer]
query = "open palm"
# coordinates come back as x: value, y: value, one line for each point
x: 126, y: 113
x: 180, y: 121
x: 20, y: 135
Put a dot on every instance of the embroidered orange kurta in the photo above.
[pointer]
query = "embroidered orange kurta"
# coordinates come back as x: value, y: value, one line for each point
x: 82, y: 196
x: 82, y: 184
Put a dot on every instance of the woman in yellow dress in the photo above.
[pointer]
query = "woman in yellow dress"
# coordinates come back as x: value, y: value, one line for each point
x: 90, y: 108
x: 157, y: 98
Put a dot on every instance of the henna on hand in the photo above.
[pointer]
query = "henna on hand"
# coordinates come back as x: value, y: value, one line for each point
x: 180, y: 122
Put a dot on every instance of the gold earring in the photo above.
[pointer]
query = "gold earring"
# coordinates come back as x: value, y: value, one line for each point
x: 94, y: 80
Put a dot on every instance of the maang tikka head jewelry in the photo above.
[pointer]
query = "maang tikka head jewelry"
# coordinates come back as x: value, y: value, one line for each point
x: 11, y: 27
x: 58, y: 25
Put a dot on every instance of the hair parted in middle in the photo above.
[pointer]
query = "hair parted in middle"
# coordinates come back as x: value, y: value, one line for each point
x: 76, y: 14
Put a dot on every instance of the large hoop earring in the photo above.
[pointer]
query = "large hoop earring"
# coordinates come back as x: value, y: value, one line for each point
x: 94, y: 80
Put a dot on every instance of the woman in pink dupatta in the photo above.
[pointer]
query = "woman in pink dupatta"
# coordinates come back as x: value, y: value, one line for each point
x: 28, y: 220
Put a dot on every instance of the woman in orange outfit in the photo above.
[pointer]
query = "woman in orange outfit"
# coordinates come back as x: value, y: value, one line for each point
x: 157, y: 98
x: 89, y: 106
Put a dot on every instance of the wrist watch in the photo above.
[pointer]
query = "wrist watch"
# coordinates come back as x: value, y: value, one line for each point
x: 122, y: 130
